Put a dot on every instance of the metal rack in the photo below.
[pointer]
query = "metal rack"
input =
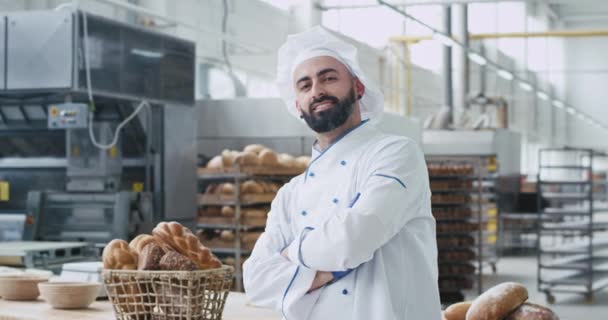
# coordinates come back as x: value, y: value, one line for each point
x: 237, y: 177
x: 572, y: 237
x: 469, y: 193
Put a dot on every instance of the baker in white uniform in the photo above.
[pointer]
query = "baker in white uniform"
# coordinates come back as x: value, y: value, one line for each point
x: 353, y: 237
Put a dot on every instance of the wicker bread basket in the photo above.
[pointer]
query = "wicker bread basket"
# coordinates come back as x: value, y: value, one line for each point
x: 168, y: 295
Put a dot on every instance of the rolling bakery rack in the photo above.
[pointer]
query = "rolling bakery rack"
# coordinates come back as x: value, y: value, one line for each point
x: 244, y: 229
x: 572, y: 234
x: 464, y: 207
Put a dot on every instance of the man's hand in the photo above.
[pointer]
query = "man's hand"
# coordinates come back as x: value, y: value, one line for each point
x: 321, y: 279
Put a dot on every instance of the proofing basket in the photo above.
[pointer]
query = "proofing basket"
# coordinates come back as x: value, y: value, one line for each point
x: 168, y: 295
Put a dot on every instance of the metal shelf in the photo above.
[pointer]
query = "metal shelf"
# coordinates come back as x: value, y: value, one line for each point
x: 565, y: 196
x: 566, y: 167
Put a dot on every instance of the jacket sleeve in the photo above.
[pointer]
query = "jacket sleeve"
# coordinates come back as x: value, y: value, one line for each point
x: 270, y: 279
x: 395, y: 191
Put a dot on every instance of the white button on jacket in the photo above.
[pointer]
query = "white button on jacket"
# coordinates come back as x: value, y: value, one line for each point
x: 362, y: 204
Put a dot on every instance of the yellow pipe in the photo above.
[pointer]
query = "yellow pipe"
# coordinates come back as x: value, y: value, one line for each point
x: 408, y: 79
x: 544, y: 34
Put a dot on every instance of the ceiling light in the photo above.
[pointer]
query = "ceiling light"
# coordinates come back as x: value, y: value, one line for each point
x: 542, y: 95
x: 444, y: 39
x: 505, y: 74
x: 475, y: 57
x: 526, y: 86
x: 571, y: 110
x: 558, y: 104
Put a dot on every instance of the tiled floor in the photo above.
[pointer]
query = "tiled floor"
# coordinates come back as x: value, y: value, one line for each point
x: 567, y: 306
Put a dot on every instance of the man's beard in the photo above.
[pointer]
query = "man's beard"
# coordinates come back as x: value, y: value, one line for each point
x: 332, y: 118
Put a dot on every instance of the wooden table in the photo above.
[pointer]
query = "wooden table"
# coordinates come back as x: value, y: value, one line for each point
x: 236, y: 309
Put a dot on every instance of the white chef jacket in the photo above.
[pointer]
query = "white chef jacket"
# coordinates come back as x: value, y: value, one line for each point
x: 363, y: 204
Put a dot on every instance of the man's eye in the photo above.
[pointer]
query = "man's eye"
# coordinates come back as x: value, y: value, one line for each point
x: 304, y: 87
x: 331, y: 78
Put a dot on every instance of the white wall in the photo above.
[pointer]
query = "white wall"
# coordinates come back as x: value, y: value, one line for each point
x: 587, y: 83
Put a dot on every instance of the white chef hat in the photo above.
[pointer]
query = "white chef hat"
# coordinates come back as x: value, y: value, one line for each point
x: 318, y: 42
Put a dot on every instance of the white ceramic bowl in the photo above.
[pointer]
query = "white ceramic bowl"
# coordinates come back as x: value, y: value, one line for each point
x: 69, y: 295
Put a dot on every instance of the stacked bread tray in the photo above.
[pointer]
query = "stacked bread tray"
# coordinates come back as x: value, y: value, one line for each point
x: 236, y: 189
x: 167, y: 275
x: 459, y: 203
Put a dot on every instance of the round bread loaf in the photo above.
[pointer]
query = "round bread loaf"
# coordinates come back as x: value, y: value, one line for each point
x: 175, y: 261
x: 268, y: 158
x: 228, y: 211
x: 252, y: 187
x: 255, y: 148
x: 531, y: 311
x: 287, y: 161
x: 227, y: 235
x: 173, y: 236
x: 139, y: 242
x: 497, y: 302
x: 228, y: 157
x: 149, y: 258
x: 302, y: 162
x: 215, y: 163
x: 247, y: 159
x: 457, y: 311
x: 118, y: 255
x: 227, y: 188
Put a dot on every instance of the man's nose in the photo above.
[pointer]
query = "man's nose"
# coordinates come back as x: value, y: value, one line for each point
x: 318, y: 90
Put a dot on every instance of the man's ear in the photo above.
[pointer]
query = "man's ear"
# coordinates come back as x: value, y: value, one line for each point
x: 359, y: 89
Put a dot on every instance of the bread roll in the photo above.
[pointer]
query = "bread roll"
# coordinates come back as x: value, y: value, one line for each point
x: 457, y: 311
x: 530, y: 311
x: 302, y: 162
x: 227, y: 235
x: 247, y: 159
x: 287, y: 161
x: 228, y: 157
x: 228, y: 211
x: 175, y: 261
x: 252, y: 187
x: 255, y: 148
x: 268, y: 158
x: 497, y: 302
x: 215, y: 163
x: 150, y: 256
x: 118, y: 255
x: 227, y: 189
x: 173, y: 236
x: 139, y: 242
x: 250, y: 237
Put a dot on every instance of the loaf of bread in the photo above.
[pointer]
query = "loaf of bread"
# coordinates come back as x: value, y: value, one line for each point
x: 254, y: 148
x: 498, y: 302
x: 118, y: 255
x: 227, y: 235
x: 227, y: 188
x: 247, y: 159
x: 531, y: 311
x: 228, y: 157
x: 252, y: 187
x: 139, y: 242
x: 215, y: 163
x: 228, y: 211
x: 172, y: 236
x: 302, y: 162
x: 254, y: 213
x: 457, y: 311
x: 287, y: 161
x: 175, y: 261
x: 150, y: 256
x: 268, y: 158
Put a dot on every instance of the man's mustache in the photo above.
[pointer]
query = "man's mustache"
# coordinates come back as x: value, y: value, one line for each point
x: 321, y: 99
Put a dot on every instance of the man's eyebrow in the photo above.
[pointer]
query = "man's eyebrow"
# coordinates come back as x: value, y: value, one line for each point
x: 320, y: 73
x: 326, y: 70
